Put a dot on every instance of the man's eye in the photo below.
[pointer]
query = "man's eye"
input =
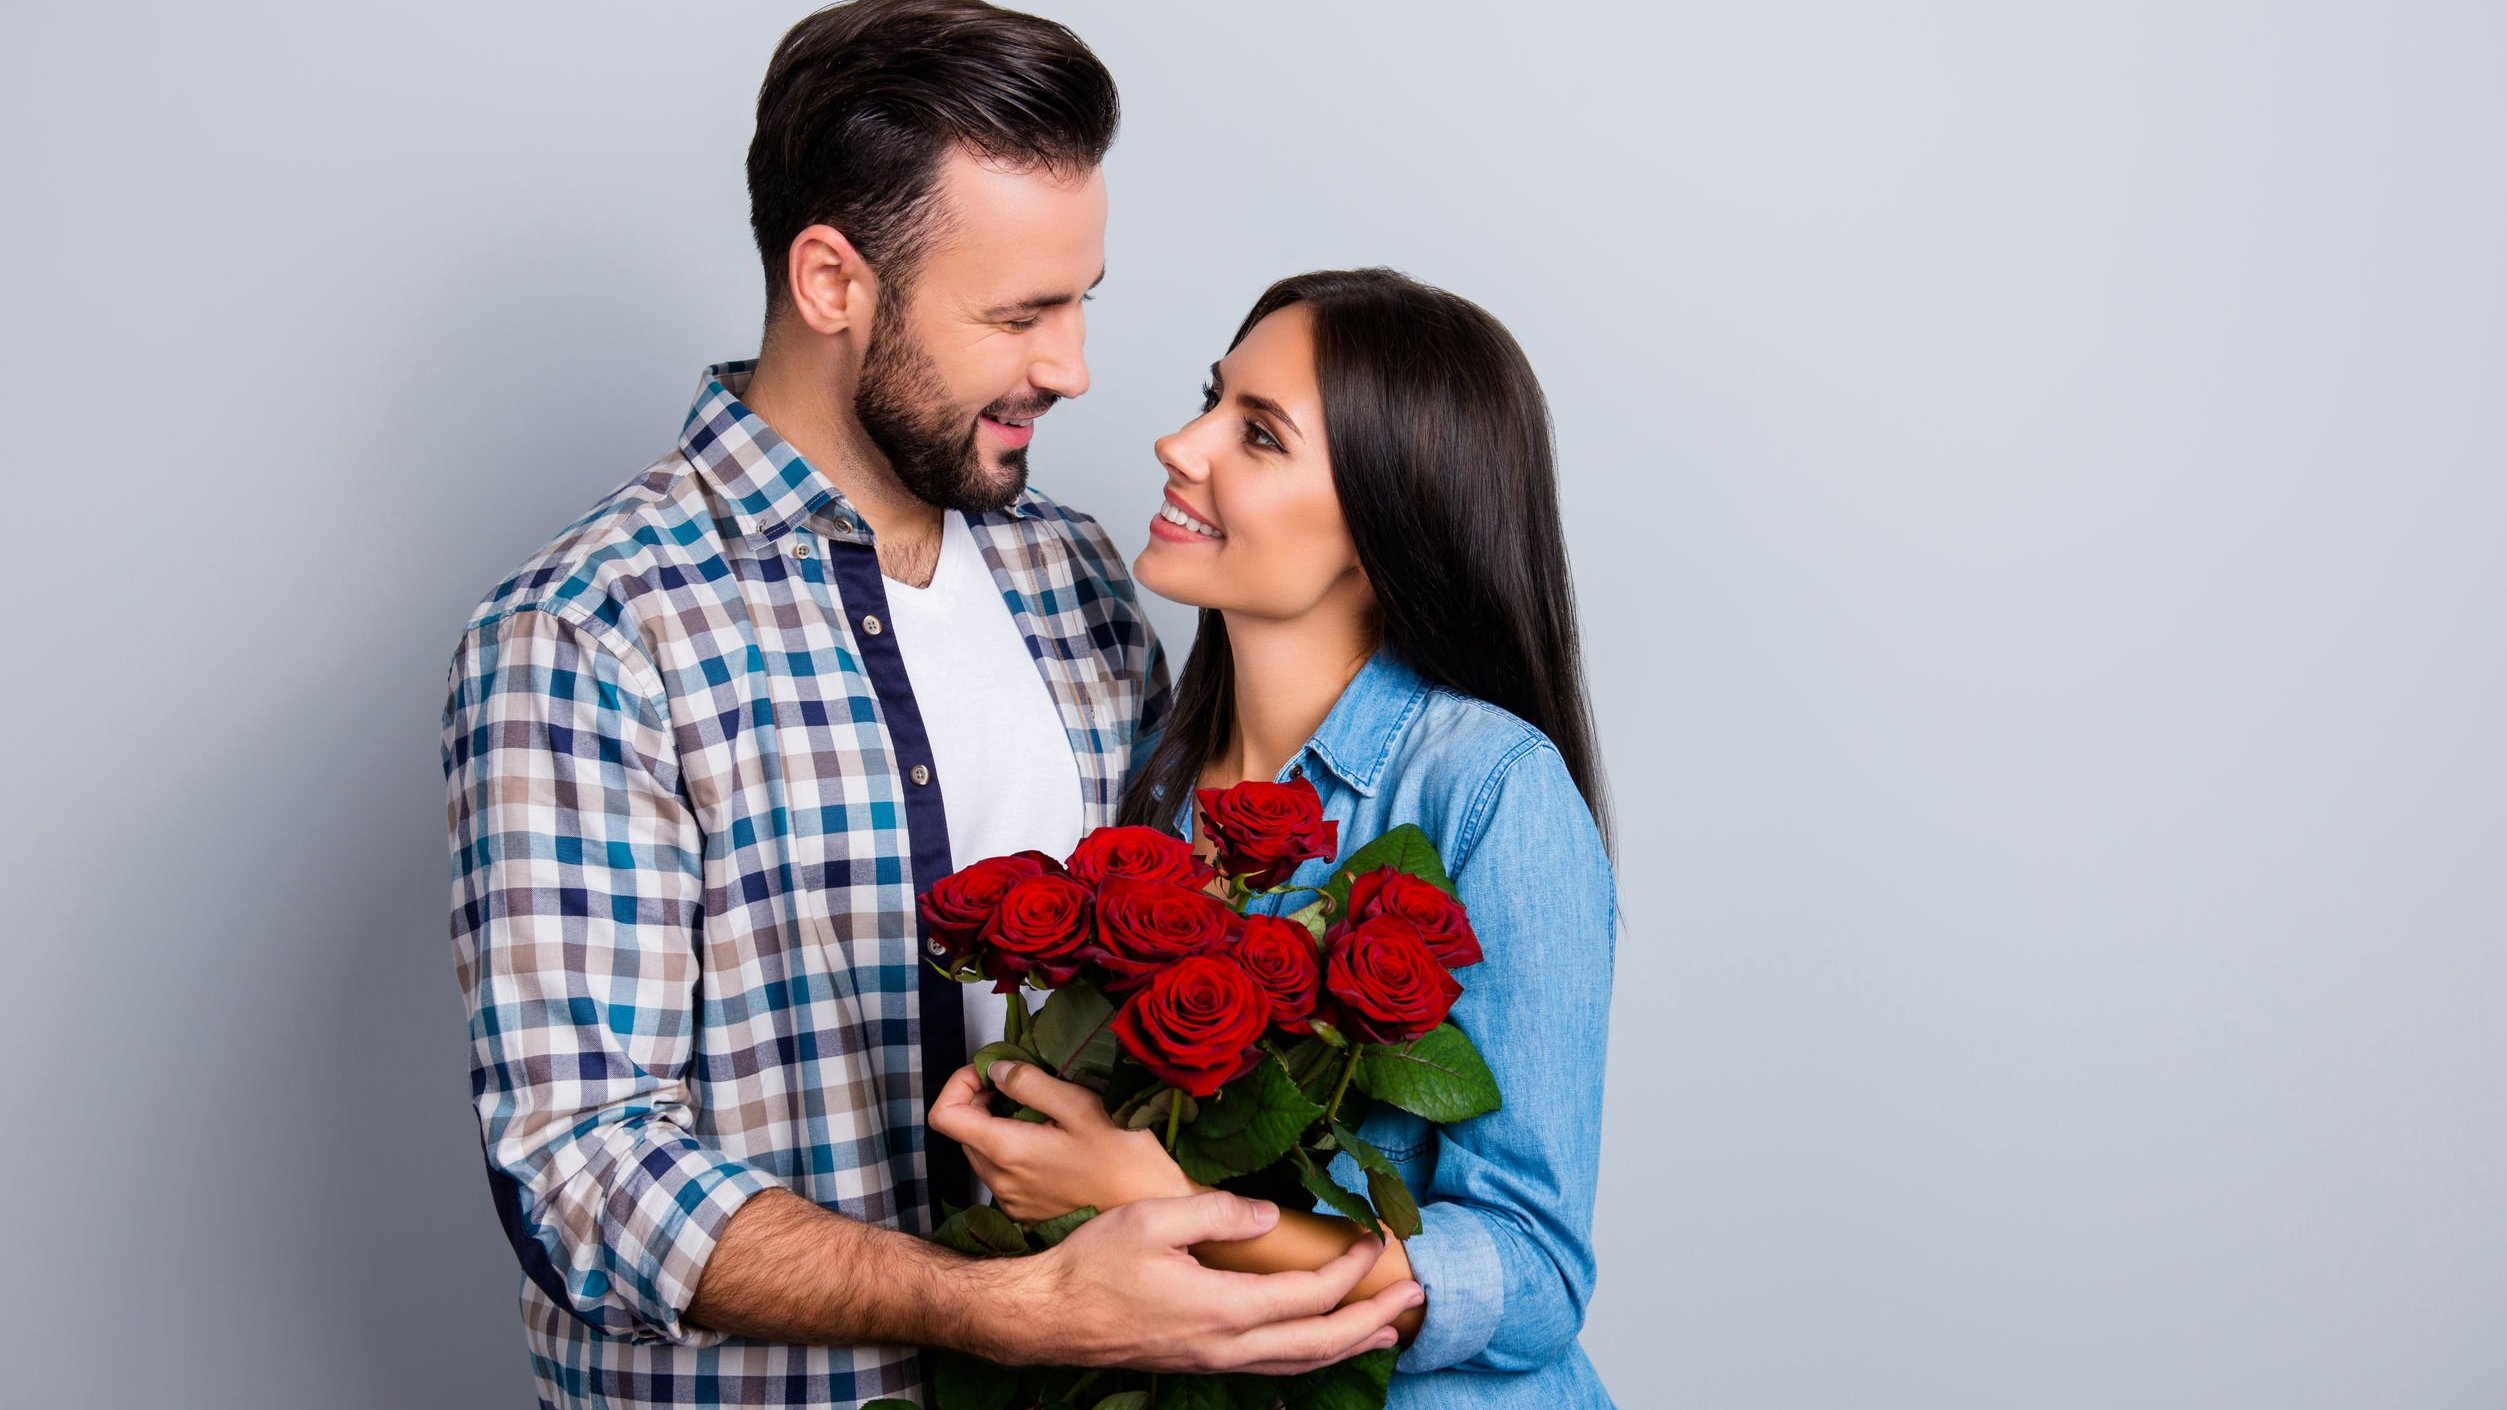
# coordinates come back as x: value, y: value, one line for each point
x: 1022, y: 325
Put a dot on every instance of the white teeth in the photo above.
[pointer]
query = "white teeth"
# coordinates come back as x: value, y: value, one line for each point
x: 1182, y: 520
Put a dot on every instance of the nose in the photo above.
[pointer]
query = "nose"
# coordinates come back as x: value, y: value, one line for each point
x: 1061, y: 365
x: 1183, y: 460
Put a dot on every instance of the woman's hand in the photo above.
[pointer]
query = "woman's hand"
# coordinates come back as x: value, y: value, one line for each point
x: 1038, y: 1170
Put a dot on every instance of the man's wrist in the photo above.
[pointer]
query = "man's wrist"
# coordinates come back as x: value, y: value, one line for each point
x: 991, y: 1307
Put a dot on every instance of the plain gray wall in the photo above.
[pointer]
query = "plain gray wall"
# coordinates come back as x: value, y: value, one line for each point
x: 2035, y: 482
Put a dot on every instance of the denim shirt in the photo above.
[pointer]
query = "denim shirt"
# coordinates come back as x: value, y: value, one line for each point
x: 1505, y: 1251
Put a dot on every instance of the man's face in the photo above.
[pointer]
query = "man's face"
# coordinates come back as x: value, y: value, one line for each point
x: 989, y: 335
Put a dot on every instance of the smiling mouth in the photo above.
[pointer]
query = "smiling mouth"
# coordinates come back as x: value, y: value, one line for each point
x: 1182, y: 520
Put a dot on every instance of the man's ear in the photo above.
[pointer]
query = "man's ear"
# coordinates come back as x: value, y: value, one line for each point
x: 833, y: 290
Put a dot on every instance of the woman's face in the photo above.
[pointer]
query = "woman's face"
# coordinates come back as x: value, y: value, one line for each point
x: 1261, y: 533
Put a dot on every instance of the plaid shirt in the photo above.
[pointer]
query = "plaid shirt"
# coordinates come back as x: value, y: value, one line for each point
x: 690, y: 805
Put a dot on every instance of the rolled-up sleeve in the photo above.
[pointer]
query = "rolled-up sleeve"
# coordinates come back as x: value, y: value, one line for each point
x: 578, y: 885
x: 1505, y: 1251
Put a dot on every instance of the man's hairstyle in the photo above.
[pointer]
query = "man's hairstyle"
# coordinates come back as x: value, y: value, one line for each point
x: 863, y: 100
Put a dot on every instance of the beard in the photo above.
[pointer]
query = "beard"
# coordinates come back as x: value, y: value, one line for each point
x: 903, y: 406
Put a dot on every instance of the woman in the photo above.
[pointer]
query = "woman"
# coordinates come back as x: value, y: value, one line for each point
x: 1365, y: 511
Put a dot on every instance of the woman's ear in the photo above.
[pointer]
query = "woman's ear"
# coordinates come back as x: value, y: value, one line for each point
x: 832, y: 287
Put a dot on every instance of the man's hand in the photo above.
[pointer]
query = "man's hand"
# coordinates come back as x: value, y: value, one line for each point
x: 1125, y: 1290
x: 1038, y: 1170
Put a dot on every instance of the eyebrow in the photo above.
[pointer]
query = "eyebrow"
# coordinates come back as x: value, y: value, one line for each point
x: 1264, y: 405
x: 1037, y: 303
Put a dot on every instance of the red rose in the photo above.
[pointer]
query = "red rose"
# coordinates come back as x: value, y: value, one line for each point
x: 1040, y: 931
x: 1263, y: 830
x: 1281, y: 957
x: 1440, y: 918
x: 958, y: 905
x: 1197, y: 1026
x: 1144, y: 926
x: 1385, y: 985
x: 1142, y: 853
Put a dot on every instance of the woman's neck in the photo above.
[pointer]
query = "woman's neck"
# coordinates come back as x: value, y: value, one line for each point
x: 1288, y: 676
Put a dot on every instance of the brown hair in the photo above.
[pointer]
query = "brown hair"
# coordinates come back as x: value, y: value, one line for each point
x: 863, y: 100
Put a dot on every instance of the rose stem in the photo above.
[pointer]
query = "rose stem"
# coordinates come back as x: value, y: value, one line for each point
x: 1332, y: 1113
x: 1014, y: 1019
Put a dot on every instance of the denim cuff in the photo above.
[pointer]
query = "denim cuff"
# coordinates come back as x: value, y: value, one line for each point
x: 1455, y: 1259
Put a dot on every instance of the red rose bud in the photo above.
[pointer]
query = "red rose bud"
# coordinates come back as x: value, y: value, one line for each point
x: 1281, y: 957
x: 958, y: 905
x: 1141, y: 853
x: 1040, y: 931
x: 1144, y: 926
x: 1384, y: 984
x: 1262, y: 831
x: 1440, y: 918
x: 1197, y: 1025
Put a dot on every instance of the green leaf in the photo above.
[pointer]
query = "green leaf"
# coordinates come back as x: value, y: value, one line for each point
x: 1439, y: 1076
x: 1359, y: 1383
x: 1249, y: 1123
x: 1074, y: 1034
x: 971, y: 1383
x: 1321, y: 1184
x: 1060, y: 1385
x: 1234, y: 1391
x: 1316, y: 916
x: 1385, y: 1186
x: 991, y: 1053
x: 983, y: 1231
x: 1148, y: 1111
x: 1327, y: 1033
x: 1125, y: 1400
x: 1306, y: 1057
x: 1053, y: 1231
x: 1404, y: 849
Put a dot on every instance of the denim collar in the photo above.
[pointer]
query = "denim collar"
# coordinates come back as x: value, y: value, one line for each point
x: 1356, y: 740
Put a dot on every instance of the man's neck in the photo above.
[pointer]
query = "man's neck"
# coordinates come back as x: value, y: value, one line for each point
x: 809, y: 406
x: 1288, y: 677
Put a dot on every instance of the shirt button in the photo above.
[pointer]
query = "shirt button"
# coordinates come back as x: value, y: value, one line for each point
x: 870, y: 625
x: 920, y: 775
x: 800, y: 548
x: 938, y: 949
x: 844, y: 526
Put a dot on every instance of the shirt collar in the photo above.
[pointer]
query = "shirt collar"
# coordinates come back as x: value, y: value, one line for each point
x: 1356, y: 740
x: 767, y: 483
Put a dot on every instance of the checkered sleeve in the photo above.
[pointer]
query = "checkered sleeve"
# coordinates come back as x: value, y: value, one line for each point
x: 577, y: 893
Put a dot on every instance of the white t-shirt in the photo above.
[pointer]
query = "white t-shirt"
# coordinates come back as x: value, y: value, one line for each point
x: 1007, y: 778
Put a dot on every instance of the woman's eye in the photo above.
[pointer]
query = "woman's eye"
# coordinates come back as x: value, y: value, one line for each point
x: 1258, y: 436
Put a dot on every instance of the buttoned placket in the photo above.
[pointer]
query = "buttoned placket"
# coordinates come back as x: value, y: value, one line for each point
x: 856, y: 592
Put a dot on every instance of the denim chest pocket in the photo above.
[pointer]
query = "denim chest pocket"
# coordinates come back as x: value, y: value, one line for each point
x: 1406, y: 1140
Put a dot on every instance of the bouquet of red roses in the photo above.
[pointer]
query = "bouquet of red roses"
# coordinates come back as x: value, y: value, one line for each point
x: 1253, y: 1041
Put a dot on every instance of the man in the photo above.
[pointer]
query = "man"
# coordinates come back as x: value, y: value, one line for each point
x: 704, y: 749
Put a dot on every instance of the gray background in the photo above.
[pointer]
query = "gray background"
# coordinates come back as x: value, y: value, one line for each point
x: 2034, y: 475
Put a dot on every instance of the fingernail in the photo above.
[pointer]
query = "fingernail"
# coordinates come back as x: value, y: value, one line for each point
x: 1001, y: 1069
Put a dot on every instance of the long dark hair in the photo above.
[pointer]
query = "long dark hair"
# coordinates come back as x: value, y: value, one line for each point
x: 1441, y: 456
